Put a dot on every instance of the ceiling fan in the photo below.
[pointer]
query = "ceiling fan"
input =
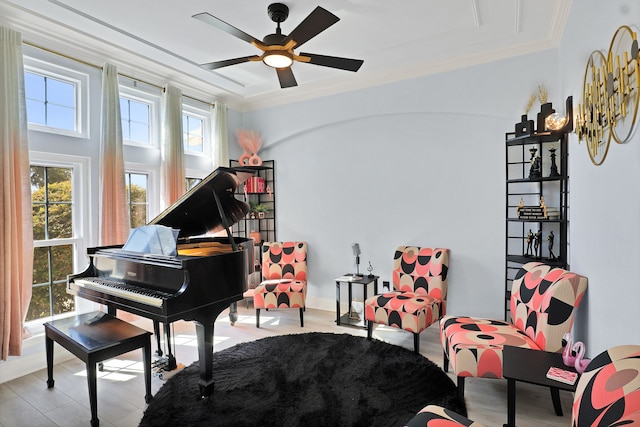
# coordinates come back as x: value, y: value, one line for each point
x: 277, y: 48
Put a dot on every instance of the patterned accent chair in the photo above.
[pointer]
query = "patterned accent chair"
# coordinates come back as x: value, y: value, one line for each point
x: 420, y: 283
x: 543, y: 304
x: 608, y: 392
x: 284, y: 273
x: 437, y: 416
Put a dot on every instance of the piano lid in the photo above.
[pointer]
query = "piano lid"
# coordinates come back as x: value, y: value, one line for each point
x: 197, y: 213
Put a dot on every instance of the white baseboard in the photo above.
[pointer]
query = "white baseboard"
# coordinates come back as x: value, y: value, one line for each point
x: 32, y: 360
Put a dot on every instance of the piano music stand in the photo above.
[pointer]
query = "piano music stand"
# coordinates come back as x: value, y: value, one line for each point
x: 94, y: 337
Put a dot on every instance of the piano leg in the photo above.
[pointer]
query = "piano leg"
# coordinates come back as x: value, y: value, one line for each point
x: 171, y: 360
x: 233, y: 313
x: 156, y: 332
x: 204, y: 333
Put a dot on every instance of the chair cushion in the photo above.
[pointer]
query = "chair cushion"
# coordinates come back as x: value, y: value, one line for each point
x: 410, y: 311
x: 474, y: 346
x: 280, y: 294
x: 437, y: 416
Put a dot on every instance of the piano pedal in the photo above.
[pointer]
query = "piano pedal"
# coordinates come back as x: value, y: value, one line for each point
x: 163, y: 364
x: 159, y: 364
x: 166, y: 375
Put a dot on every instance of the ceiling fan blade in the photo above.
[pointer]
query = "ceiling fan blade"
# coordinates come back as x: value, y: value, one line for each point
x: 285, y: 75
x: 225, y: 63
x: 333, y: 61
x: 317, y: 21
x: 227, y: 28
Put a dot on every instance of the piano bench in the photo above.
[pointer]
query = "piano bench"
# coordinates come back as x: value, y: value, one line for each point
x: 94, y: 337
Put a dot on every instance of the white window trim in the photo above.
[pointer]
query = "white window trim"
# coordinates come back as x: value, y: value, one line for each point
x: 147, y: 97
x: 81, y: 82
x: 202, y: 113
x: 153, y: 193
x: 81, y: 212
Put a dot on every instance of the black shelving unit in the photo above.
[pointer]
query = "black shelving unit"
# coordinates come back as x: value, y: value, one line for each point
x: 525, y: 186
x: 264, y: 224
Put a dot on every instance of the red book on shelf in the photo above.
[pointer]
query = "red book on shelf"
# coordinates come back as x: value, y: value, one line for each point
x: 562, y: 375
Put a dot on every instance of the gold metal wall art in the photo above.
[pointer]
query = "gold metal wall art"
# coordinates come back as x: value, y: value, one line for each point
x: 610, y: 95
x: 623, y: 82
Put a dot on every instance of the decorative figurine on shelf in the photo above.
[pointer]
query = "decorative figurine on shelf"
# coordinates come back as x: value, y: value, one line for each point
x: 250, y: 142
x: 536, y: 164
x: 370, y: 270
x: 537, y: 249
x: 550, y: 238
x: 543, y: 205
x: 529, y: 243
x: 525, y: 127
x: 554, y: 166
x: 520, y: 206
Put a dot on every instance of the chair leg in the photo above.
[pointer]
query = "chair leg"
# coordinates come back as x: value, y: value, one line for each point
x: 302, y: 317
x: 416, y: 343
x: 461, y: 388
x: 369, y: 329
x: 445, y: 361
x: 257, y: 317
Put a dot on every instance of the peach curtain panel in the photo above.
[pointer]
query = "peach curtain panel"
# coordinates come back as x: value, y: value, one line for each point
x: 173, y: 182
x: 114, y: 210
x: 220, y: 151
x: 16, y: 228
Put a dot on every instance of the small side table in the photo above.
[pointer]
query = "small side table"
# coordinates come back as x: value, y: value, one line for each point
x: 531, y: 366
x: 364, y: 281
x: 94, y: 337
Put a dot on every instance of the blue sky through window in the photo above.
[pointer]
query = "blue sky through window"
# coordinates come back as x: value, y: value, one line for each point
x: 50, y: 102
x: 135, y: 120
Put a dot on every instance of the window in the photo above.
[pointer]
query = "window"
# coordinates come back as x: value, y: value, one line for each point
x: 57, y: 95
x: 192, y: 133
x: 140, y: 113
x: 191, y: 182
x: 51, y: 102
x: 52, y: 207
x: 137, y: 198
x: 136, y: 120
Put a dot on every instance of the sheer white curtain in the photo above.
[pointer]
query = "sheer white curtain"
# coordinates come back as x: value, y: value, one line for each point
x: 114, y: 210
x: 220, y: 151
x: 16, y: 228
x: 173, y: 181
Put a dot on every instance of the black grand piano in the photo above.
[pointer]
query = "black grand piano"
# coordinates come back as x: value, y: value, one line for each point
x: 207, y: 275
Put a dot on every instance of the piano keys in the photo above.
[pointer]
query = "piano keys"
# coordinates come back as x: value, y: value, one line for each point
x: 208, y: 274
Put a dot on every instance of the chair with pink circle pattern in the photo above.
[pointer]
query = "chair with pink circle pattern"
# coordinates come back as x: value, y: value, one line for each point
x: 543, y: 303
x: 284, y: 274
x: 420, y: 290
x: 438, y: 416
x: 608, y: 392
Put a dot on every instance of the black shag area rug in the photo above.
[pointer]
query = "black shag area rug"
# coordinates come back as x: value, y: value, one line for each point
x: 312, y: 379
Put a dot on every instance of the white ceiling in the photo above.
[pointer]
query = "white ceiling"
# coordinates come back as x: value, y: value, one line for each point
x: 159, y: 41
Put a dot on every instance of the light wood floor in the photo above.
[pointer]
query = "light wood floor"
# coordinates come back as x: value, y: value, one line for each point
x: 26, y: 401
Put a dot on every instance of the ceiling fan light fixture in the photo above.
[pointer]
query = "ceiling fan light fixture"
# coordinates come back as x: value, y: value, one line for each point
x: 278, y: 59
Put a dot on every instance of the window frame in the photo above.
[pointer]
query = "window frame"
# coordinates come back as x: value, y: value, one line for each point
x: 136, y: 91
x: 79, y: 80
x: 201, y: 111
x: 153, y: 192
x: 80, y: 213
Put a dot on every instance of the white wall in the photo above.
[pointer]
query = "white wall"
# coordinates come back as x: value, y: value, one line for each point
x: 422, y: 162
x: 605, y: 200
x: 417, y: 162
